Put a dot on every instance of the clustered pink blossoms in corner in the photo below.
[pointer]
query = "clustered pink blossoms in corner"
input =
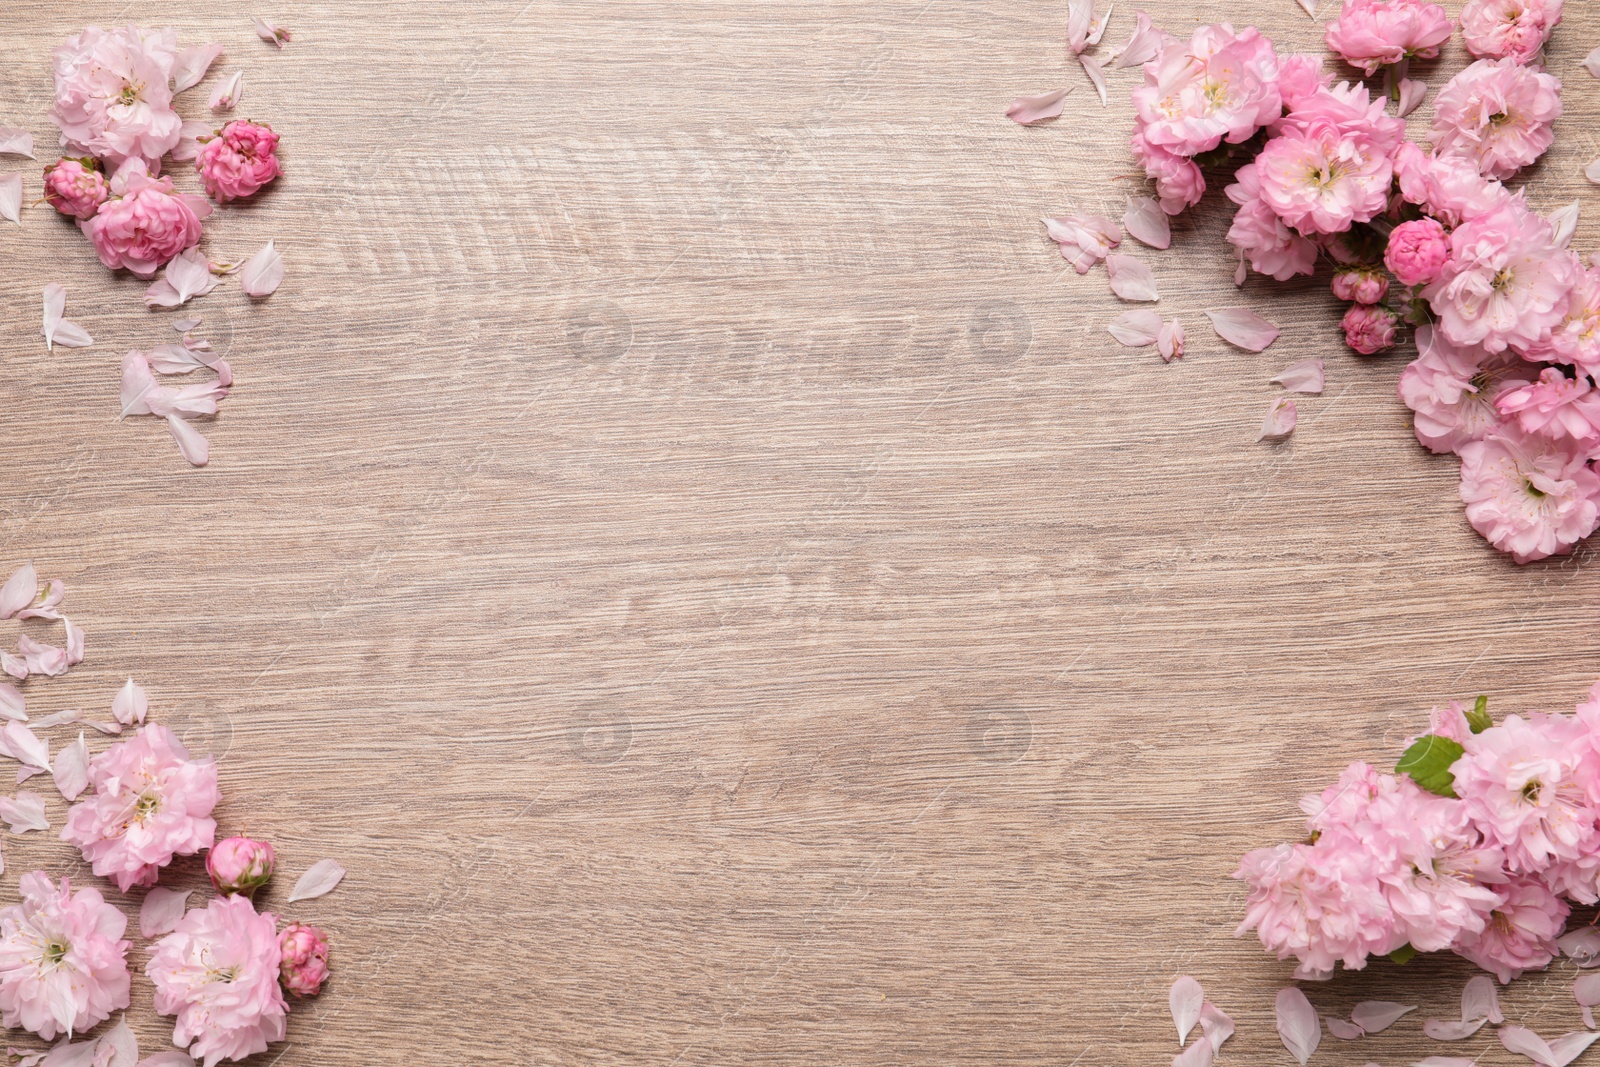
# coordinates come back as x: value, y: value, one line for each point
x: 221, y: 968
x: 1420, y: 236
x: 1478, y: 844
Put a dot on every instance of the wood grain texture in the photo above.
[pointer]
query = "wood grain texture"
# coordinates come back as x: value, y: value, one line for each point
x: 683, y: 539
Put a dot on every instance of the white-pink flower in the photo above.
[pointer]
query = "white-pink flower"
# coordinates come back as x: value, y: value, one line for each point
x: 150, y: 802
x: 1527, y: 785
x: 218, y: 973
x: 1453, y: 390
x: 114, y: 94
x: 1377, y: 33
x: 1497, y: 113
x: 1450, y: 188
x: 1509, y: 29
x: 1179, y: 183
x: 1261, y: 237
x: 1507, y: 283
x: 1216, y: 86
x: 1576, y: 339
x: 1521, y: 932
x: 1529, y: 496
x: 63, y: 965
x: 1556, y: 406
x: 1321, y: 182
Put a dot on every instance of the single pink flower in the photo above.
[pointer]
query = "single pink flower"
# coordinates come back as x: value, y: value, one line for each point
x: 1417, y: 251
x: 305, y: 959
x: 1529, y: 496
x: 150, y: 802
x: 1360, y: 285
x: 237, y: 162
x: 75, y: 187
x: 1319, y: 181
x: 1300, y: 76
x: 1453, y: 389
x: 1555, y: 406
x: 146, y: 223
x: 1449, y: 188
x: 114, y: 94
x: 1370, y: 328
x: 1509, y: 29
x: 240, y: 865
x: 1179, y: 183
x: 1576, y: 338
x: 218, y: 973
x: 1261, y: 237
x: 1497, y: 113
x: 1348, y: 112
x: 63, y: 965
x: 1378, y: 33
x: 1216, y: 86
x: 1521, y: 932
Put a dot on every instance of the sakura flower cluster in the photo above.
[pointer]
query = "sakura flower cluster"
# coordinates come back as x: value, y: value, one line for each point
x: 1478, y: 844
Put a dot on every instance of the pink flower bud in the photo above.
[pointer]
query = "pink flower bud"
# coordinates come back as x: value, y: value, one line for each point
x: 240, y: 865
x: 75, y: 187
x: 305, y: 959
x: 239, y: 160
x: 1361, y: 285
x: 1370, y: 328
x: 1417, y: 251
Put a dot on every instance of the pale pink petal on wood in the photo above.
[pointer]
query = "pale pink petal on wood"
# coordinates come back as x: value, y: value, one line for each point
x: 1412, y: 94
x: 1170, y: 341
x: 20, y: 591
x: 1480, y: 999
x: 12, y: 703
x: 24, y: 812
x: 1376, y: 1016
x: 1299, y: 1027
x: 1143, y: 46
x: 1343, y: 1029
x: 262, y: 273
x: 131, y: 703
x: 71, y: 768
x: 20, y: 743
x: 1131, y: 279
x: 271, y: 32
x: 1565, y: 221
x: 318, y: 881
x: 74, y: 641
x: 1026, y: 110
x: 192, y: 444
x: 15, y: 142
x: 225, y: 97
x: 1097, y: 78
x: 1244, y: 328
x: 1307, y: 376
x: 1452, y: 1029
x: 1524, y: 1042
x: 161, y: 910
x: 1216, y: 1025
x: 1591, y: 63
x: 1185, y: 999
x: 192, y: 64
x: 1281, y: 419
x: 11, y: 197
x: 1145, y: 220
x: 1136, y: 329
x: 1199, y: 1054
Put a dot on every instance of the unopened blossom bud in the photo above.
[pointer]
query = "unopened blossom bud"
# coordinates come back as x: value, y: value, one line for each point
x: 240, y: 865
x: 305, y: 959
x: 1417, y: 251
x: 75, y: 187
x: 1361, y: 285
x: 1370, y: 328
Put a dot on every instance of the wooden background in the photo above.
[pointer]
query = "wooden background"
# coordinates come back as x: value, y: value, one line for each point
x: 684, y: 540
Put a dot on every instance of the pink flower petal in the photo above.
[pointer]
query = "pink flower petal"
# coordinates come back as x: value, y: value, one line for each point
x: 1027, y: 110
x: 56, y: 718
x: 170, y: 1058
x: 1084, y: 239
x: 262, y: 273
x: 1185, y: 999
x: 1091, y: 67
x: 1591, y: 63
x: 1581, y: 946
x: 1216, y: 1025
x: 1199, y: 1054
x: 189, y: 135
x: 1309, y: 7
x: 1343, y: 1029
x: 1376, y: 1016
x: 318, y: 881
x: 192, y: 64
x: 1136, y: 329
x: 1569, y: 1047
x: 1524, y: 1042
x: 131, y: 704
x: 192, y: 445
x: 1170, y: 341
x: 186, y: 276
x: 11, y: 197
x: 1080, y: 21
x: 19, y: 742
x: 42, y: 658
x: 1451, y: 1029
x: 1565, y: 221
x: 1298, y: 1025
x: 15, y: 666
x: 1145, y: 220
x: 71, y: 770
x: 12, y: 704
x: 1305, y: 377
x: 56, y: 330
x: 1143, y: 46
x: 225, y: 97
x: 161, y: 910
x: 74, y: 642
x: 1131, y: 279
x: 15, y: 142
x: 19, y: 592
x: 1412, y: 94
x: 271, y: 32
x: 1244, y: 328
x: 1280, y: 421
x: 117, y: 1047
x: 1592, y: 172
x: 23, y: 813
x: 1481, y: 1000
x: 1586, y: 989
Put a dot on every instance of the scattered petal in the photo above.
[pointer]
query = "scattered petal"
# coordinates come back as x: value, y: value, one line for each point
x: 1298, y: 1025
x: 225, y: 97
x: 186, y: 276
x: 1027, y: 110
x: 13, y: 665
x: 131, y: 703
x: 1216, y: 1025
x: 1565, y: 221
x: 45, y: 604
x: 1199, y: 1054
x: 1569, y: 1047
x: 1525, y: 1042
x: 24, y: 813
x: 105, y: 727
x: 1581, y: 946
x: 1306, y: 377
x: 42, y: 658
x: 1080, y: 20
x: 1592, y: 63
x: 1376, y: 1016
x: 19, y: 742
x: 192, y: 444
x: 1343, y: 1029
x: 1091, y: 67
x: 1136, y: 329
x: 1169, y: 342
x: 56, y: 719
x: 1481, y: 1000
x: 272, y: 34
x: 58, y: 331
x: 1185, y: 999
x: 189, y: 135
x: 1309, y: 6
x: 185, y: 325
x: 192, y: 64
x: 19, y: 592
x: 1244, y: 328
x: 1412, y: 94
x: 1131, y: 279
x: 1098, y: 30
x: 12, y: 704
x: 117, y: 1047
x: 1586, y: 990
x: 161, y: 910
x: 71, y: 770
x: 262, y: 273
x: 1592, y: 172
x: 15, y: 142
x: 318, y: 881
x: 1146, y: 221
x: 172, y: 1057
x: 1451, y: 1029
x: 74, y: 642
x: 11, y: 197
x: 1280, y: 421
x: 1084, y: 239
x: 1143, y: 46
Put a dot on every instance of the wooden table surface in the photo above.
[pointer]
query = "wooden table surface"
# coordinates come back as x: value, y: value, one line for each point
x: 684, y: 540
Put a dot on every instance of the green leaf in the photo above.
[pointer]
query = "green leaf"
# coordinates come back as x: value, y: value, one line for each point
x: 1478, y: 717
x: 1428, y: 762
x: 1403, y: 955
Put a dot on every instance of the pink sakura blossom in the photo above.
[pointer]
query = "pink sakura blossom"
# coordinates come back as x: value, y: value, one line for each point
x: 1507, y: 284
x: 75, y: 187
x: 1179, y: 183
x: 114, y: 94
x: 1320, y: 182
x: 1521, y: 933
x: 1417, y: 251
x: 1370, y: 328
x: 240, y: 865
x: 237, y: 162
x: 1443, y: 882
x: 63, y: 966
x: 1576, y: 339
x: 1556, y: 406
x: 218, y: 972
x: 1509, y: 29
x: 1351, y: 112
x: 1360, y: 285
x: 305, y: 959
x: 1497, y: 113
x: 150, y: 802
x: 146, y: 224
x: 1300, y: 77
x: 1529, y: 496
x: 1084, y: 239
x: 1216, y: 86
x: 1261, y: 237
x: 1378, y: 33
x: 1321, y: 906
x: 1454, y: 389
x: 1450, y: 188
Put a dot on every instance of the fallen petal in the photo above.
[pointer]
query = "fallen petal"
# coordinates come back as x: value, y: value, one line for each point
x: 70, y: 335
x: 189, y: 135
x: 161, y: 910
x: 1565, y: 221
x: 42, y: 658
x: 1586, y: 989
x: 19, y: 742
x: 23, y: 813
x: 1091, y: 67
x: 225, y: 97
x: 1524, y: 1042
x: 1306, y: 377
x: 1343, y: 1029
x: 271, y: 33
x: 1136, y: 329
x: 1143, y: 46
x: 1280, y: 420
x: 191, y: 65
x: 1199, y: 1054
x: 1481, y: 1000
x: 1244, y: 328
x: 1581, y: 946
x: 1592, y: 63
x: 1030, y: 109
x: 1080, y: 20
x: 74, y: 642
x: 1131, y: 279
x: 15, y: 142
x: 1376, y: 1016
x: 12, y: 704
x: 71, y: 769
x: 262, y: 273
x: 1569, y: 1047
x: 1592, y: 172
x: 19, y: 592
x: 1298, y: 1025
x: 1169, y: 342
x: 192, y: 445
x: 1146, y: 221
x: 1412, y: 94
x: 1216, y: 1025
x: 318, y: 881
x: 1452, y: 1029
x: 117, y: 1047
x: 1185, y: 999
x: 11, y: 197
x: 1309, y: 6
x: 131, y: 704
